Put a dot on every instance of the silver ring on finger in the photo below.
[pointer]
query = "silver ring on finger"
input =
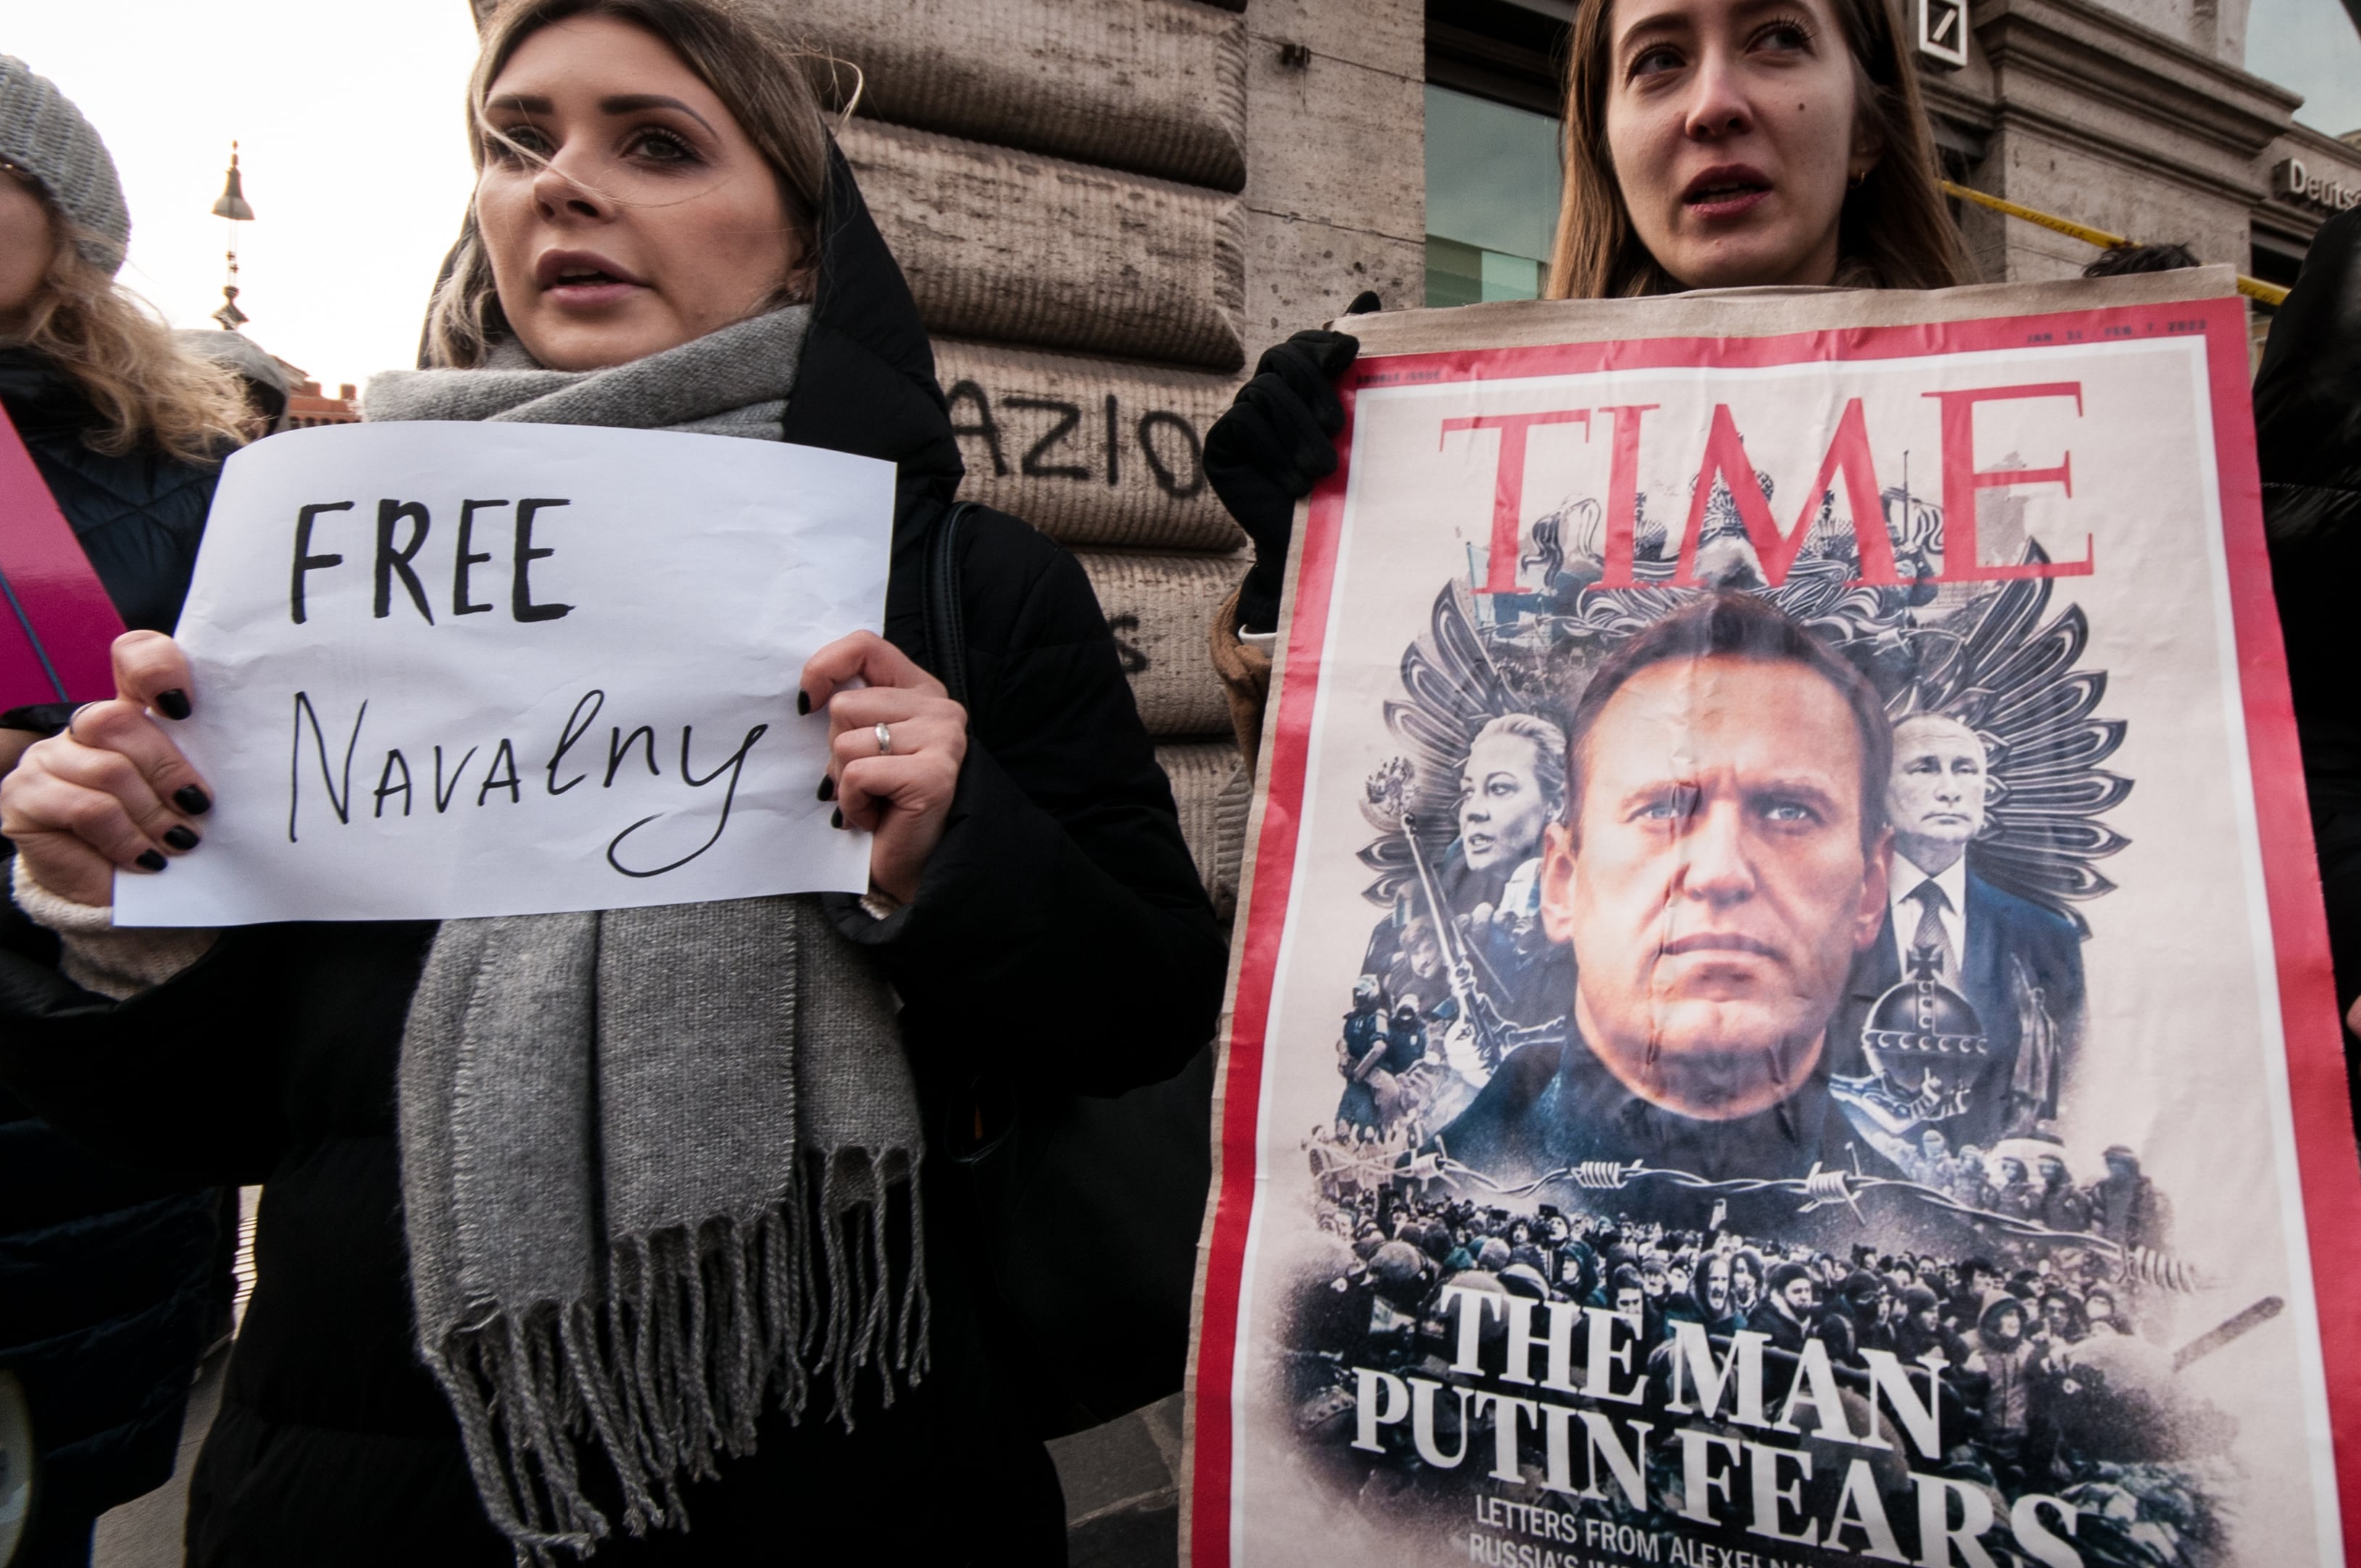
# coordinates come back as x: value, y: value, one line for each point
x: 884, y: 740
x: 77, y: 713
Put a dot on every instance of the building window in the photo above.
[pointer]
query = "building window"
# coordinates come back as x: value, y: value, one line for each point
x: 1492, y: 189
x: 1496, y: 81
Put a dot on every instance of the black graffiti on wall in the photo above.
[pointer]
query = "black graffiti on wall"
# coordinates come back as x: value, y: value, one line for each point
x: 1133, y: 662
x: 1046, y: 438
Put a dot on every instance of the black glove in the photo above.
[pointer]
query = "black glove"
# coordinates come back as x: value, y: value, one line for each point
x: 2308, y: 443
x: 2307, y: 420
x: 1275, y: 444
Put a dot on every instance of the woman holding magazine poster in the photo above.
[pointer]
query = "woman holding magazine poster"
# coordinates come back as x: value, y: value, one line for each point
x: 1685, y: 168
x: 542, y: 1365
x: 1767, y: 993
x: 1709, y: 144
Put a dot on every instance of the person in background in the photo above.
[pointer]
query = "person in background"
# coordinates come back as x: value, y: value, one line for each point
x: 2119, y: 261
x: 1709, y: 143
x: 662, y: 236
x: 2008, y: 1358
x: 104, y: 1299
x: 260, y: 378
x: 2099, y: 1312
x: 2126, y: 1207
x: 1746, y: 1287
x: 1792, y: 1312
x: 2308, y: 445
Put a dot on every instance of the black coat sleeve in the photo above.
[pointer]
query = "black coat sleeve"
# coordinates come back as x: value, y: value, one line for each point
x: 1059, y: 930
x: 2308, y: 439
x: 180, y: 1081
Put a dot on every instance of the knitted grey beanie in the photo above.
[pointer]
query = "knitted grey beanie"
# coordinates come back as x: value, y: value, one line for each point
x: 43, y: 134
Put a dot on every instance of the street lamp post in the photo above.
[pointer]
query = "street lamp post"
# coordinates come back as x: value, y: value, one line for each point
x: 233, y: 206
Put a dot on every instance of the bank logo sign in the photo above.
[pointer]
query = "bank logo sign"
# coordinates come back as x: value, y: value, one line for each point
x: 2297, y: 181
x: 1943, y: 32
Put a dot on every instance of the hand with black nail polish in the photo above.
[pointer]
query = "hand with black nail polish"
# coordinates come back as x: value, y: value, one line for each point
x: 77, y: 814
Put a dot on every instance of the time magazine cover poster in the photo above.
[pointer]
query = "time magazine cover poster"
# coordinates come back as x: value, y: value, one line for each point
x: 1781, y: 1016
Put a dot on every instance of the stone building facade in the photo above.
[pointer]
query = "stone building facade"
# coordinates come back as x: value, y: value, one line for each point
x: 2135, y: 116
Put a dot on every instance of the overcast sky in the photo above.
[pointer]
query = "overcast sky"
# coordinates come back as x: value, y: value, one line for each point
x: 2311, y: 46
x: 349, y: 120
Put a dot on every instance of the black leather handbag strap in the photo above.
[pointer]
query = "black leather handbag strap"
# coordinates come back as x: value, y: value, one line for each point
x: 945, y: 618
x: 1089, y: 1209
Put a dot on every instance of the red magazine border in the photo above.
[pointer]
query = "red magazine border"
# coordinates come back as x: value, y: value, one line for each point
x: 2325, y: 1151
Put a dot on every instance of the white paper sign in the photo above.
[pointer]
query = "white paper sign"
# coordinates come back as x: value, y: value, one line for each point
x: 445, y: 670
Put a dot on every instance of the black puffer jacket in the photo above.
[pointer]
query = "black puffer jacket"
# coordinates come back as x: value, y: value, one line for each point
x: 2308, y: 439
x: 104, y: 1269
x: 1060, y: 928
x: 138, y: 517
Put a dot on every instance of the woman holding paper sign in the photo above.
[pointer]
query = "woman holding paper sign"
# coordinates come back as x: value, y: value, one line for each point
x: 629, y: 1231
x: 1709, y: 143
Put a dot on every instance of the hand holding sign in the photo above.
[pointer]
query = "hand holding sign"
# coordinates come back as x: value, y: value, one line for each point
x: 112, y: 790
x: 895, y: 750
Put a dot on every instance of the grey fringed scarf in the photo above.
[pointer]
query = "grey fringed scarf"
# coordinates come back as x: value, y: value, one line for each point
x: 647, y: 1154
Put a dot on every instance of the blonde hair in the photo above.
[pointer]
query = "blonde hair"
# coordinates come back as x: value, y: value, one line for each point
x: 147, y: 390
x: 739, y: 51
x: 1893, y: 232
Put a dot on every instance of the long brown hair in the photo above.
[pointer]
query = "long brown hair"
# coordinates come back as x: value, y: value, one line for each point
x: 1893, y: 232
x: 741, y: 51
x: 147, y: 389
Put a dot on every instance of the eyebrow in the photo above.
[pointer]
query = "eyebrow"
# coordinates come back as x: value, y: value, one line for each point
x: 633, y: 103
x: 620, y: 103
x: 1810, y: 791
x: 1678, y: 20
x: 1798, y: 788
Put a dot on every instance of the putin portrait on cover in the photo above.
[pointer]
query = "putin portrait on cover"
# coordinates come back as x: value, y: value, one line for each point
x: 2009, y: 956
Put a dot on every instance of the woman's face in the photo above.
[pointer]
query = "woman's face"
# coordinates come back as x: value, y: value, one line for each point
x: 29, y: 241
x: 1735, y: 132
x: 1504, y: 810
x: 643, y: 218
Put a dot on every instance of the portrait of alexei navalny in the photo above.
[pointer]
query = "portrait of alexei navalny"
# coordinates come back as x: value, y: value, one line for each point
x: 2019, y: 965
x: 1722, y: 867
